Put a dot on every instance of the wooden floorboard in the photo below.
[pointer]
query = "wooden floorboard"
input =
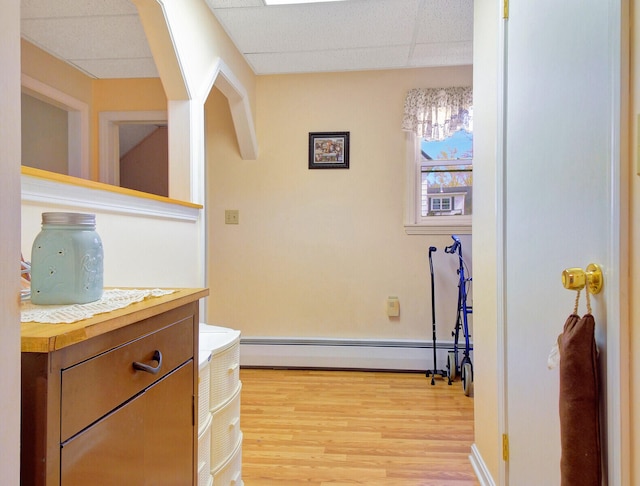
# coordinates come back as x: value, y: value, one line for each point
x: 332, y: 428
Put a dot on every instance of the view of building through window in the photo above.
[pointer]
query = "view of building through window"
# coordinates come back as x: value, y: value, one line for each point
x: 446, y: 177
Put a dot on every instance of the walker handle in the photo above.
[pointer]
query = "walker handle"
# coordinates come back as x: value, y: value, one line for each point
x: 454, y: 247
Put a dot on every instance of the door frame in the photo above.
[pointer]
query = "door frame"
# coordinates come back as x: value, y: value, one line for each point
x: 109, y: 138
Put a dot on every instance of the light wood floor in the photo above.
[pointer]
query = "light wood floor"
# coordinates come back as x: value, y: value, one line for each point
x: 331, y: 428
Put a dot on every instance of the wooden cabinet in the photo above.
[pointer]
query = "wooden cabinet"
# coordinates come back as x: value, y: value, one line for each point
x: 116, y: 404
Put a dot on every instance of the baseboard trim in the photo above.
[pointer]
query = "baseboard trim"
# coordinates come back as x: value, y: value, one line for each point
x: 400, y: 355
x: 480, y: 468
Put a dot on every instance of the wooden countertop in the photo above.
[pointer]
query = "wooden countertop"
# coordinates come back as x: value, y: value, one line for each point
x: 43, y: 338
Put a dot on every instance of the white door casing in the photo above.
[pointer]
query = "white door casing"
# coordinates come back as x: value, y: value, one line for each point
x: 109, y: 122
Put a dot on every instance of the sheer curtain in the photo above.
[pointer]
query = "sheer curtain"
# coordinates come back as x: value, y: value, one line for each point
x: 437, y: 113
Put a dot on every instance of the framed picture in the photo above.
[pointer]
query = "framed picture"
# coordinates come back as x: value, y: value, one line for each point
x: 329, y: 150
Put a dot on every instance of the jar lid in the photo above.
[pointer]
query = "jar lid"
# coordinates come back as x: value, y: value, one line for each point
x: 75, y: 219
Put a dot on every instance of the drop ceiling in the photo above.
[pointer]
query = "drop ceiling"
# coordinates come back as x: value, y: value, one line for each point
x: 105, y: 39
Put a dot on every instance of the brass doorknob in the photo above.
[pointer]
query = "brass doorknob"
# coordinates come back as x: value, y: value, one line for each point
x: 577, y: 278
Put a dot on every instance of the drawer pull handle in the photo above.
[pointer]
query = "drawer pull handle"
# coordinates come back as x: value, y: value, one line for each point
x: 157, y: 356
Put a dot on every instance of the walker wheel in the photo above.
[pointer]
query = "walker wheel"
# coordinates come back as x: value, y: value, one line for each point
x: 451, y: 365
x: 466, y: 374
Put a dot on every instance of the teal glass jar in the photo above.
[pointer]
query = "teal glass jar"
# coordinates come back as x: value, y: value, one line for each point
x: 67, y: 260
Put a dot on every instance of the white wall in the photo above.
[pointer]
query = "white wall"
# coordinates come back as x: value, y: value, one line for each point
x: 485, y: 241
x: 146, y: 250
x: 10, y: 247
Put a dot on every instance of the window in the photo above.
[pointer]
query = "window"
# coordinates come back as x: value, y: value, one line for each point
x: 439, y: 124
x: 439, y: 204
x: 445, y: 190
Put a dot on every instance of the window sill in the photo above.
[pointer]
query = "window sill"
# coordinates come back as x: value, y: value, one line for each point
x: 440, y: 228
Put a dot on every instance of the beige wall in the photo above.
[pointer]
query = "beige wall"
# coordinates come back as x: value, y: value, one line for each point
x: 317, y: 252
x: 59, y: 75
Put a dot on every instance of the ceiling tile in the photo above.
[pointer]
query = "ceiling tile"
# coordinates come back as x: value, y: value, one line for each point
x: 320, y: 26
x: 90, y: 37
x: 445, y: 20
x: 330, y: 60
x: 234, y: 3
x: 118, y: 68
x: 35, y: 9
x: 443, y: 54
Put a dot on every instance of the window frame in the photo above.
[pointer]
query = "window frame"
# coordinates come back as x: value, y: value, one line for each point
x: 414, y: 223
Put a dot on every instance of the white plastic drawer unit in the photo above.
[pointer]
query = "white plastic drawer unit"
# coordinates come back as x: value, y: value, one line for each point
x: 204, y: 453
x: 204, y: 383
x: 230, y: 473
x: 225, y: 430
x: 220, y: 460
x: 224, y: 366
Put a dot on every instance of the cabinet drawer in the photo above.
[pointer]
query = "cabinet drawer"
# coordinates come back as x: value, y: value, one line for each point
x: 148, y: 441
x: 93, y: 388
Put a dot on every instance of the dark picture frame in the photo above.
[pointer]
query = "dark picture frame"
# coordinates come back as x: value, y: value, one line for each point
x: 328, y: 150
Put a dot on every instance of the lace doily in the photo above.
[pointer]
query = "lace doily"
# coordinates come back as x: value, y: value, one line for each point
x: 112, y: 299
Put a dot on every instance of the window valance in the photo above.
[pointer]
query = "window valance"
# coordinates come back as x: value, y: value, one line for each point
x: 437, y: 113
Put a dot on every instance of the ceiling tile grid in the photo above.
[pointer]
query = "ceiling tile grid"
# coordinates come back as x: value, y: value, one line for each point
x: 349, y: 35
x: 317, y: 26
x: 105, y: 38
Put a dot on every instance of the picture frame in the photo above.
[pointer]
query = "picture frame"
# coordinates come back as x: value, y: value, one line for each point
x: 328, y: 150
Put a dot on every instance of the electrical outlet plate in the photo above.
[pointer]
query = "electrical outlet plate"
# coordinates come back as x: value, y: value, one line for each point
x: 393, y: 307
x: 231, y: 216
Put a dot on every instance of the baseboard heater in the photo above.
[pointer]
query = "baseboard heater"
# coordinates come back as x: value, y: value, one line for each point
x: 370, y: 354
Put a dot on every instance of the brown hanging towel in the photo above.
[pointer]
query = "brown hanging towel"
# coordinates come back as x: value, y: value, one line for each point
x: 579, y: 404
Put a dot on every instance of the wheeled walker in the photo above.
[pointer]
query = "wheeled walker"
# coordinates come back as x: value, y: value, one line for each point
x: 464, y: 366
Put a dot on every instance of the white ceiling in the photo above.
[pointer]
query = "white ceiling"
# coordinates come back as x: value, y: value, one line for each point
x: 105, y: 39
